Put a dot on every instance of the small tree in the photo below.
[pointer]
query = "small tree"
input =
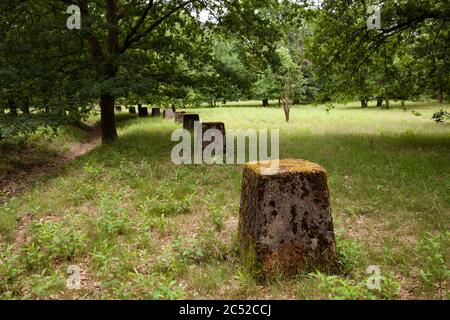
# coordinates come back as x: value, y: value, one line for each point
x: 290, y: 80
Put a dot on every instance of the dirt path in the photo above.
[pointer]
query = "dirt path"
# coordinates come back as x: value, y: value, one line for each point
x: 18, y: 182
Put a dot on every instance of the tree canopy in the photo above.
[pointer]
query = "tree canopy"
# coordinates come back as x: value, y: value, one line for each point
x: 167, y: 52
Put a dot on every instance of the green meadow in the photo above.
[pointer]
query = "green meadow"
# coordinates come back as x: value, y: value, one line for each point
x: 140, y: 227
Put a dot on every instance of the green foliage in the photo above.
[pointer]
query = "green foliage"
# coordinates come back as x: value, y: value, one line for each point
x: 22, y: 126
x: 167, y: 289
x: 167, y: 206
x: 46, y: 283
x: 350, y: 255
x: 403, y: 59
x: 329, y: 107
x: 52, y: 242
x: 434, y: 256
x: 113, y: 220
x: 217, y: 219
x: 266, y: 87
x: 10, y: 269
x: 159, y: 51
x: 441, y: 116
x: 339, y: 288
x: 417, y: 114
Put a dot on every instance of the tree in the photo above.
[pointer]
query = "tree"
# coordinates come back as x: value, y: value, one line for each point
x: 342, y: 39
x: 289, y: 77
x: 123, y: 48
x: 265, y: 87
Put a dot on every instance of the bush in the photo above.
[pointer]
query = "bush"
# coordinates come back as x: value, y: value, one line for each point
x: 441, y: 116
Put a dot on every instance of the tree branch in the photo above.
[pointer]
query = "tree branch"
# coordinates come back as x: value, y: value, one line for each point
x: 133, y: 31
x: 155, y: 24
x: 97, y: 51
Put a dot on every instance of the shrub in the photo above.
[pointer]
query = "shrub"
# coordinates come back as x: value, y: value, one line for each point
x: 441, y: 116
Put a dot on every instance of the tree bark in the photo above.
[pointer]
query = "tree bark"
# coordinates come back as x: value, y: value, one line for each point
x: 379, y: 101
x: 105, y: 64
x: 109, y: 132
x: 440, y: 96
x: 26, y: 105
x: 386, y: 103
x: 287, y: 109
x: 363, y: 103
x: 12, y: 107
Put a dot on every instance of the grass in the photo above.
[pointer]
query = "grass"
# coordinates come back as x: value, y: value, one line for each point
x: 140, y: 227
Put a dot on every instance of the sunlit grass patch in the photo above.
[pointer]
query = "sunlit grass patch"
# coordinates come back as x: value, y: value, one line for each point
x: 141, y: 227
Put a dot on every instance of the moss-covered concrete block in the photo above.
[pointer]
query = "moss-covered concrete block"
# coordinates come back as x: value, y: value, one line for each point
x: 285, y: 222
x: 213, y: 125
x: 179, y: 116
x: 189, y: 120
x: 168, y: 114
x: 156, y: 112
x: 142, y: 111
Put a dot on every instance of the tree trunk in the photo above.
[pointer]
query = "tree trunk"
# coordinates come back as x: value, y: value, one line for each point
x: 26, y: 105
x: 363, y: 103
x: 109, y: 132
x: 107, y: 100
x: 440, y: 96
x: 265, y: 102
x: 287, y: 109
x: 12, y: 107
x: 386, y: 103
x: 402, y: 103
x: 279, y: 102
x: 379, y: 101
x: 296, y: 101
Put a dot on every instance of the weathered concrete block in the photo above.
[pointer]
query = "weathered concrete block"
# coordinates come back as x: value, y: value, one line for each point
x: 143, y: 111
x: 179, y: 116
x: 189, y: 119
x: 285, y: 221
x: 132, y: 109
x: 213, y: 125
x: 168, y: 114
x: 118, y: 108
x: 156, y: 112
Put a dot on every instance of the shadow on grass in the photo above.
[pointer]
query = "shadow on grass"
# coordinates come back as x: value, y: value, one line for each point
x: 396, y: 105
x: 387, y: 171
